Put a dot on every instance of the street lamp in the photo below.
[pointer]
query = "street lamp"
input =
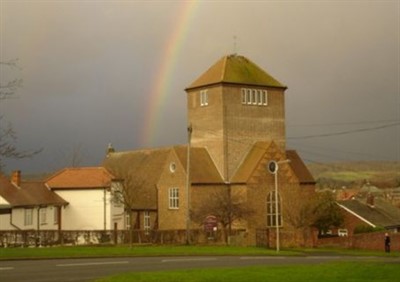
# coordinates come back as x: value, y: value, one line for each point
x: 273, y: 167
x: 189, y: 130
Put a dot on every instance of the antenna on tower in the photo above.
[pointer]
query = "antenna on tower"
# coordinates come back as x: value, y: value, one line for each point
x: 234, y: 44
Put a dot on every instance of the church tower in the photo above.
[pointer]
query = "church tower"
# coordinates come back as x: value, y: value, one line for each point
x: 231, y: 106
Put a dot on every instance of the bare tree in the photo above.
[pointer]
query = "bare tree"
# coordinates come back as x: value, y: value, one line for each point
x: 73, y: 157
x: 8, y: 137
x: 127, y: 194
x: 227, y: 206
x: 298, y: 210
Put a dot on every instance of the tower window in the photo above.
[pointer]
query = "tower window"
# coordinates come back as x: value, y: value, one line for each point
x: 203, y: 98
x: 254, y: 97
x: 264, y: 97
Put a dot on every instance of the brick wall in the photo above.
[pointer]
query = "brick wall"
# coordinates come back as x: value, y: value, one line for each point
x: 365, y: 241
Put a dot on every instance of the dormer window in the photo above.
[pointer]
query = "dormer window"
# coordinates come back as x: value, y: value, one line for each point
x: 254, y: 97
x: 203, y: 98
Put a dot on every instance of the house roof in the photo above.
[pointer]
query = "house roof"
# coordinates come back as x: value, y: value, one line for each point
x: 28, y: 194
x: 381, y: 214
x: 370, y: 189
x: 80, y: 178
x: 237, y: 70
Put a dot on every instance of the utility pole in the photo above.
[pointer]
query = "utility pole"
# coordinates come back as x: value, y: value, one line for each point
x: 189, y: 130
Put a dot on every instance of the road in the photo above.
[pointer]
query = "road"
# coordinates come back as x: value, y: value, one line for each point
x: 93, y: 268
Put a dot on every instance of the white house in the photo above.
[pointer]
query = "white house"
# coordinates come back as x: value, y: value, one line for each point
x: 28, y: 205
x: 89, y: 192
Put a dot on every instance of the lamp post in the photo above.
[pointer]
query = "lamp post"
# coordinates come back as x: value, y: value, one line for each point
x: 189, y: 130
x: 273, y: 167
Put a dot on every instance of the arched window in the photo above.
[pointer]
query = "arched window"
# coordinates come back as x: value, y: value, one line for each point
x: 272, y: 210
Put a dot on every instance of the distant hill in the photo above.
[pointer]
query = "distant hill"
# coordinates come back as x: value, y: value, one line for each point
x: 381, y: 174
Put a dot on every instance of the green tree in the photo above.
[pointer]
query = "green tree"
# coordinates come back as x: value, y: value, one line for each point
x: 326, y: 213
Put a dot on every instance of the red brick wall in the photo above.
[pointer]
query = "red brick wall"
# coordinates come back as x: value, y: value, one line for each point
x: 351, y: 222
x: 365, y: 241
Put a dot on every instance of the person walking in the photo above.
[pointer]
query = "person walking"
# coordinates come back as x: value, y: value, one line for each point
x: 387, y: 243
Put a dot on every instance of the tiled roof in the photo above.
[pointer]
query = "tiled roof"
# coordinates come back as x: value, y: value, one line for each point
x: 382, y: 214
x: 299, y: 168
x: 80, y: 178
x: 202, y: 167
x: 238, y: 70
x: 28, y: 194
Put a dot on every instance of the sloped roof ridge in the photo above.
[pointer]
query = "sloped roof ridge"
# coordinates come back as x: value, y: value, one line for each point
x: 223, y: 71
x: 150, y: 150
x: 61, y: 171
x: 203, y: 168
x: 235, y: 69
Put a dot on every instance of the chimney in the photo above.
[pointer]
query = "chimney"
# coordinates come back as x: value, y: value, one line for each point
x: 16, y: 178
x: 371, y: 200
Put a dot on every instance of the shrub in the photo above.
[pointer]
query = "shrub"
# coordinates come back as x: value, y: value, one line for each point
x: 367, y: 229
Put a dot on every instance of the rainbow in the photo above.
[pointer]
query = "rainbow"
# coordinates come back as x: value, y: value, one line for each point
x: 163, y: 77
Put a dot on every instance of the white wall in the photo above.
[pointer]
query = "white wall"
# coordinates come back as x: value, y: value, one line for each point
x: 87, y: 210
x: 5, y: 222
x: 16, y: 220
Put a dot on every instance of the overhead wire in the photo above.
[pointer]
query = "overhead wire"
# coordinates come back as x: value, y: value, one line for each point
x: 307, y: 137
x: 344, y: 132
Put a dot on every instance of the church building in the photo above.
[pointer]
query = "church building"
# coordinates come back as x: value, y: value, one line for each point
x: 236, y: 118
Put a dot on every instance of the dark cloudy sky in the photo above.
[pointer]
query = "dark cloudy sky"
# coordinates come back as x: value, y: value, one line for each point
x: 89, y: 69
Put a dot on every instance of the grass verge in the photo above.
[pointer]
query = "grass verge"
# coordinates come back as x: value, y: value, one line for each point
x: 126, y: 251
x: 327, y: 272
x: 167, y: 250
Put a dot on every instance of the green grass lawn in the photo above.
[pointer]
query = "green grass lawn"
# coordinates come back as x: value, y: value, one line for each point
x: 165, y: 250
x: 326, y: 272
x: 121, y: 251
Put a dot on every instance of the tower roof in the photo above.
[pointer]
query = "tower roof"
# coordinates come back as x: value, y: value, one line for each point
x: 238, y: 70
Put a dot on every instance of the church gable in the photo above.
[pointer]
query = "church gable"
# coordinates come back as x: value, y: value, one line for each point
x: 254, y: 166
